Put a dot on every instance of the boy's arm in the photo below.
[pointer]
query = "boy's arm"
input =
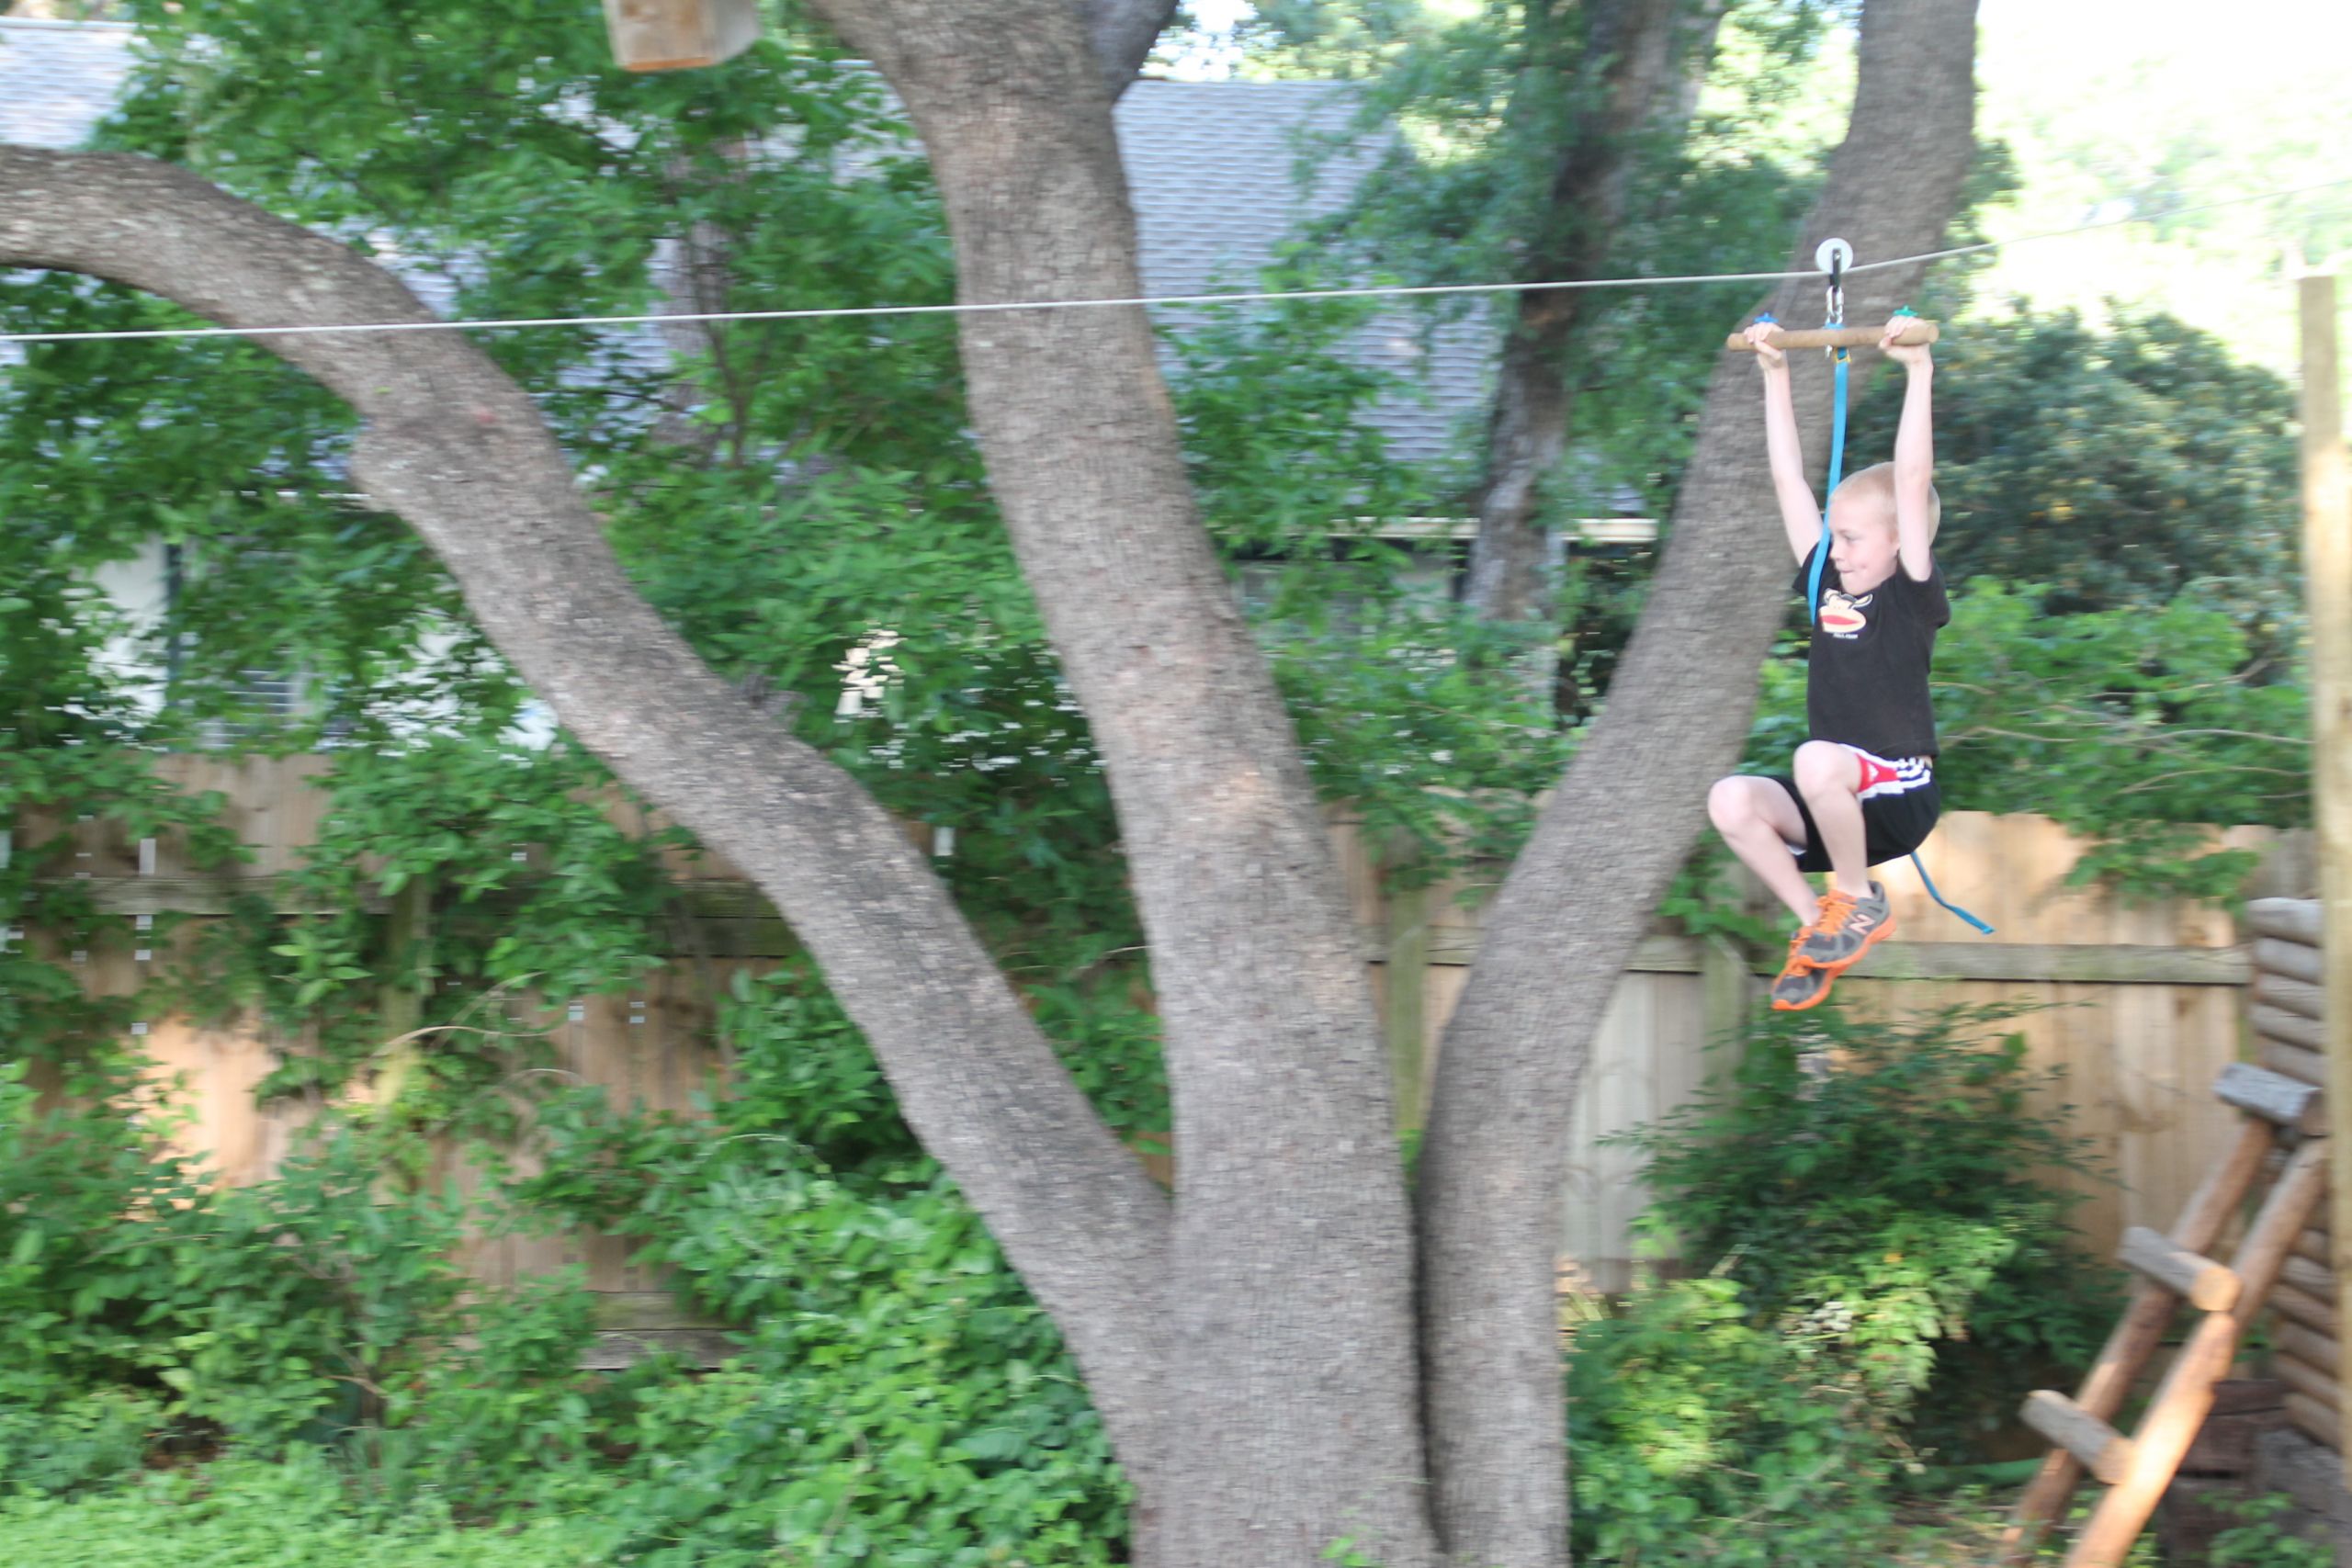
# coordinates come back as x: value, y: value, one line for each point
x: 1800, y: 514
x: 1915, y: 459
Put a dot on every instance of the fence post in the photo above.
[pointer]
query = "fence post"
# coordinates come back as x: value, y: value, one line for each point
x: 2327, y: 578
x: 400, y: 1005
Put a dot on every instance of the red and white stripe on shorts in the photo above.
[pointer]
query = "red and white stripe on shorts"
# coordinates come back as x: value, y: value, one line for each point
x: 1899, y: 776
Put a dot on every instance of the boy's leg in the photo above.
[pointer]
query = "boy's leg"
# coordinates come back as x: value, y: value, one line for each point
x: 1830, y: 777
x: 1761, y: 823
x: 1855, y: 912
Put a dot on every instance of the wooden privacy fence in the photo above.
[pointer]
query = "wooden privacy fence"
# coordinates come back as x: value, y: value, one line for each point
x: 2140, y: 1007
x: 2144, y: 1005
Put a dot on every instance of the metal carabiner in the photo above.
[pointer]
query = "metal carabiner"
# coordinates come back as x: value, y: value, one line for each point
x: 1833, y: 256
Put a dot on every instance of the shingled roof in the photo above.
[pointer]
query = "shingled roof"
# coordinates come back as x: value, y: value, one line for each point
x: 1212, y: 167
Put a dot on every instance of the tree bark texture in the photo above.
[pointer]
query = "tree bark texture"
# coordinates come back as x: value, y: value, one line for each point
x: 1122, y: 33
x: 1630, y: 78
x: 1293, y: 1380
x: 450, y: 444
x: 1565, y: 919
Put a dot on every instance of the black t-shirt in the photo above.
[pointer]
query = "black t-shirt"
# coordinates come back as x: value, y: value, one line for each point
x: 1866, y: 682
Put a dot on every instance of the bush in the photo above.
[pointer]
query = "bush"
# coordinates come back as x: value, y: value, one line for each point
x: 253, y: 1311
x: 899, y: 1395
x: 896, y: 1396
x: 1864, y: 1231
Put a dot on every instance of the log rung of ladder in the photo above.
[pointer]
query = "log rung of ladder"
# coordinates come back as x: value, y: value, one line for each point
x: 2295, y: 921
x: 2103, y: 1451
x: 2204, y: 1285
x: 2278, y: 1098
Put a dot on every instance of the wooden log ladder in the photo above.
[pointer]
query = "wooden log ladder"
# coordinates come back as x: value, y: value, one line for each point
x: 2282, y: 1116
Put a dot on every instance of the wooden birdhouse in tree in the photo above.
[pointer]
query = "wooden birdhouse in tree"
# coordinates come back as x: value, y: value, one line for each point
x: 674, y: 35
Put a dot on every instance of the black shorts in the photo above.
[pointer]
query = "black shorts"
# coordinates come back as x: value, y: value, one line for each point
x: 1900, y: 805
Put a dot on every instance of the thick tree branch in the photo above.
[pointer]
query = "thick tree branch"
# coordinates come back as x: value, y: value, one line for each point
x: 1631, y: 81
x: 1122, y: 33
x: 453, y: 448
x: 1565, y: 919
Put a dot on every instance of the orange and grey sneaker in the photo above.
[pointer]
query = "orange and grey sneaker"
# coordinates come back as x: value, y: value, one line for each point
x: 1846, y: 929
x: 1799, y: 985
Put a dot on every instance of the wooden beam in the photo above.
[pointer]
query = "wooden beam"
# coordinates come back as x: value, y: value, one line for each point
x: 2315, y: 1419
x: 1918, y: 333
x: 2185, y: 1395
x: 2315, y: 1244
x: 2285, y: 919
x: 2318, y: 1382
x: 2204, y: 1285
x: 2305, y: 1275
x: 2309, y: 1345
x: 2295, y: 1062
x: 610, y: 1352
x: 2138, y: 1334
x: 2294, y: 1029
x: 629, y: 1311
x: 2098, y: 1447
x: 2295, y: 960
x: 2327, y: 597
x: 2300, y: 997
x: 1404, y: 976
x: 2278, y: 1099
x: 2111, y: 964
x: 2299, y: 1305
x: 758, y: 931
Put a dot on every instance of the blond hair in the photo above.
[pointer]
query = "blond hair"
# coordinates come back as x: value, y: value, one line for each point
x: 1873, y: 491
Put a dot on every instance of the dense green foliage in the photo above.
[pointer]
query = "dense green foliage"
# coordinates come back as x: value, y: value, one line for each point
x: 255, y: 1514
x: 895, y: 1394
x: 1874, y: 1247
x: 2135, y: 465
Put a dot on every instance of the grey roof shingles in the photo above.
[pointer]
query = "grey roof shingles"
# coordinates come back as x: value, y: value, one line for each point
x: 1213, y: 168
x: 58, y: 79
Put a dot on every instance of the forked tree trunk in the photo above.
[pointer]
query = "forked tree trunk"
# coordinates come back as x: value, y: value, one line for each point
x: 1293, y: 1389
x: 1559, y: 932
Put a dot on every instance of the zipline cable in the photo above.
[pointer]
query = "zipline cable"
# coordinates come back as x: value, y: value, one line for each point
x: 1374, y: 291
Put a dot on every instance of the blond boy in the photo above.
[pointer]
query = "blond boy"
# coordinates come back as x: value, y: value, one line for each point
x: 1863, y: 790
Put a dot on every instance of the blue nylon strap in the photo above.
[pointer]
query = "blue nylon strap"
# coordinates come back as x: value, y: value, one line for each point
x: 1929, y: 882
x: 1836, y: 472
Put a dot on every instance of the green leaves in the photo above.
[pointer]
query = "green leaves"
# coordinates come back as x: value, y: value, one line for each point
x: 2129, y: 465
x: 1887, y: 1264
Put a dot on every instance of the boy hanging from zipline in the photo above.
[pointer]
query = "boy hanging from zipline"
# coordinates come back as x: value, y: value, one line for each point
x: 1863, y: 790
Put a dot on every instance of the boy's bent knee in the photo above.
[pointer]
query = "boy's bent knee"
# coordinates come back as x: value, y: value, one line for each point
x: 1823, y: 766
x: 1729, y: 805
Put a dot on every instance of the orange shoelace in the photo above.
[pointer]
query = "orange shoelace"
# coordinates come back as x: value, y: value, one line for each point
x: 1836, y: 907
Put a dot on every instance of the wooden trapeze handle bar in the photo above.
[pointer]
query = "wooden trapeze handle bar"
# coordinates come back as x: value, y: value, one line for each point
x: 1915, y: 335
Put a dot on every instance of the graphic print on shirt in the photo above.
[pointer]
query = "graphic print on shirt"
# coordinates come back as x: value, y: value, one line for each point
x: 1841, y: 612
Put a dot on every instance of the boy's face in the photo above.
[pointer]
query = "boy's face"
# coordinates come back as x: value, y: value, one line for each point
x: 1861, y: 543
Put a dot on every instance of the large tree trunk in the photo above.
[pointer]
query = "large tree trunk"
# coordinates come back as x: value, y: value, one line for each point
x: 1565, y: 919
x: 1293, y: 1384
x: 1630, y: 71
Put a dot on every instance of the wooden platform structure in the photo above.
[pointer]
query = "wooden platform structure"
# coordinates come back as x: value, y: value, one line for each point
x: 2285, y: 1260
